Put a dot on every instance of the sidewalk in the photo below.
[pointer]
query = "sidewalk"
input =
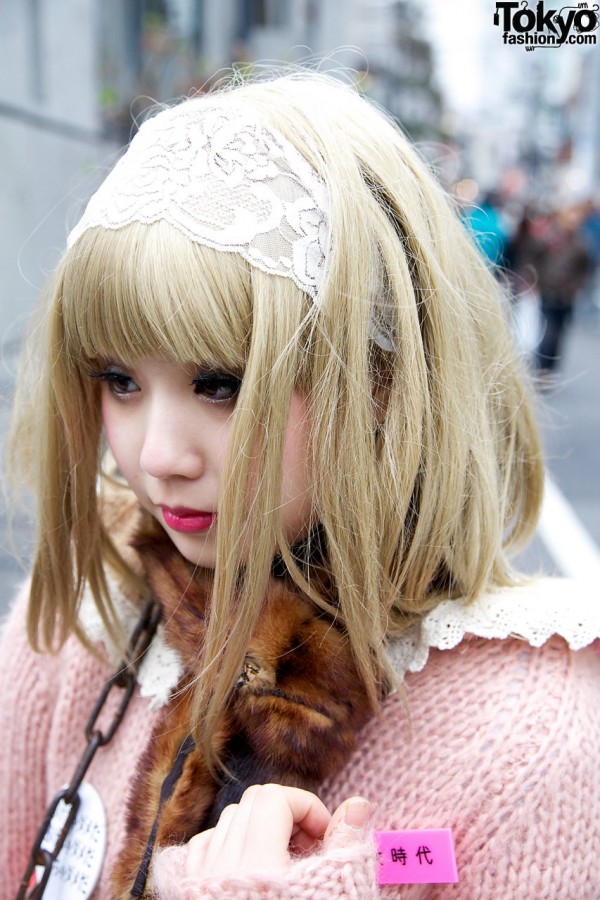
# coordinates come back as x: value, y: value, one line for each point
x: 569, y: 415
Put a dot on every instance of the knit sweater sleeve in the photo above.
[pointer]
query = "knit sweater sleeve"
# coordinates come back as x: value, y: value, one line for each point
x: 344, y: 869
x: 27, y: 689
x: 501, y: 746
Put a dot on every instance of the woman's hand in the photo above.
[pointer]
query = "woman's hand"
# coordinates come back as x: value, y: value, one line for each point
x: 258, y: 833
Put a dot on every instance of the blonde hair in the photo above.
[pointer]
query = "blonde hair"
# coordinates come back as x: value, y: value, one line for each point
x: 426, y: 456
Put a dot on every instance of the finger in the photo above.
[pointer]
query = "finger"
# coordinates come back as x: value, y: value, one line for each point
x: 203, y: 848
x: 276, y: 816
x: 308, y: 813
x: 304, y: 843
x: 302, y: 809
x: 255, y: 834
x: 351, y: 814
x: 196, y: 852
x: 252, y: 834
x: 221, y: 838
x: 269, y: 817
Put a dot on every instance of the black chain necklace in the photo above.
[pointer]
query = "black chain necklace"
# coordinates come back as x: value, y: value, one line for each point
x: 124, y: 678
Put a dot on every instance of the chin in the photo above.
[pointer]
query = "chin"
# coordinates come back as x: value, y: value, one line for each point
x: 197, y: 549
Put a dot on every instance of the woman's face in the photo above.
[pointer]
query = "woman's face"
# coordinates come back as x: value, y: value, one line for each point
x: 168, y: 427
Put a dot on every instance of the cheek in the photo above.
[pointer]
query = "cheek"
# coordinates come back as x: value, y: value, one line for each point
x: 120, y: 435
x: 107, y: 420
x: 297, y: 469
x: 296, y: 448
x: 113, y: 422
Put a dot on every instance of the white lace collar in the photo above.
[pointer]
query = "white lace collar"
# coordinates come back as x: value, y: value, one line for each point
x: 533, y: 613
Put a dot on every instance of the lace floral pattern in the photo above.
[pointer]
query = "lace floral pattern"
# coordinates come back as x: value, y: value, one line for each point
x: 225, y: 180
x: 533, y: 613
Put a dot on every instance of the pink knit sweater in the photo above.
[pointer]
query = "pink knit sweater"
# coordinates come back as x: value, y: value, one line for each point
x: 502, y: 745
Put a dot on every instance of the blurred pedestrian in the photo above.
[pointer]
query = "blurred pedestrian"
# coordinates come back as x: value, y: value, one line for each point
x: 521, y: 252
x: 562, y: 265
x: 557, y: 254
x: 485, y: 223
x: 522, y: 279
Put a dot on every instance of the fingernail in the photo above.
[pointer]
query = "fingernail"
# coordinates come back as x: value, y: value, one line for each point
x: 357, y: 812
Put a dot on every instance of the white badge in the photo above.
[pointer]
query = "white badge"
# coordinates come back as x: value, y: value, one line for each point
x: 78, y: 865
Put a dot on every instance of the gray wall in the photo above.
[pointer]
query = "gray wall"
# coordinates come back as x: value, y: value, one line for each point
x: 49, y: 142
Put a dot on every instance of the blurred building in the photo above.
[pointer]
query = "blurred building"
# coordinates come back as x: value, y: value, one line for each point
x: 50, y: 140
x: 401, y: 66
x: 165, y: 48
x: 585, y: 125
x: 537, y: 125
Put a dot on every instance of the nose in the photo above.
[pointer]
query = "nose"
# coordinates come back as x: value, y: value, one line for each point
x: 172, y: 443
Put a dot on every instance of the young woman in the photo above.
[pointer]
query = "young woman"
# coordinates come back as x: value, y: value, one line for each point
x: 271, y: 320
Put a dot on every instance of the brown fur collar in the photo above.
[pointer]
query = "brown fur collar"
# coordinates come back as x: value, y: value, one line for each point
x: 293, y: 718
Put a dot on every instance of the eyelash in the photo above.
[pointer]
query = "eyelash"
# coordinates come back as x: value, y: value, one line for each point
x: 115, y: 380
x: 211, y: 382
x: 206, y: 385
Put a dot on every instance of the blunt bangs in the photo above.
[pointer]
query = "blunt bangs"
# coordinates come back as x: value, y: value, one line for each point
x: 148, y: 291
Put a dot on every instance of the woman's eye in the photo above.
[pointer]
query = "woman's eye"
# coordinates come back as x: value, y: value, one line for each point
x: 119, y: 383
x: 217, y: 387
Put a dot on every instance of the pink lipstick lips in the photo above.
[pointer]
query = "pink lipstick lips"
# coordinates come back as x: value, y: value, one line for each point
x: 188, y: 521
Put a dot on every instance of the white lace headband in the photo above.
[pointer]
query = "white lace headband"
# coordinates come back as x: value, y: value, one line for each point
x: 226, y: 180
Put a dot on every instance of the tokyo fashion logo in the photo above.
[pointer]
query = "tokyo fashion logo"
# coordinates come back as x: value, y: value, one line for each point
x: 541, y: 27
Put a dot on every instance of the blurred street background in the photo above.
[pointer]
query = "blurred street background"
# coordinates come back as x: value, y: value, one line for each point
x: 512, y: 131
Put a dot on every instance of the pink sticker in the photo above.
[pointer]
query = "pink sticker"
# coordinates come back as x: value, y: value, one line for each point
x: 416, y: 857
